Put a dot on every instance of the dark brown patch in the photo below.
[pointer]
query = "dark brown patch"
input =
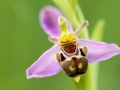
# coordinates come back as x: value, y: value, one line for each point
x: 75, y: 63
x: 66, y: 69
x: 74, y: 58
x: 70, y: 48
x: 84, y: 63
x: 62, y: 57
x: 83, y: 51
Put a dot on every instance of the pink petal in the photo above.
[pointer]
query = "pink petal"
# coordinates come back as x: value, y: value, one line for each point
x: 98, y: 51
x: 48, y: 18
x: 46, y: 65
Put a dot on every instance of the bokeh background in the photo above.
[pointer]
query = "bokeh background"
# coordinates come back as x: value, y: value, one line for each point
x: 22, y: 41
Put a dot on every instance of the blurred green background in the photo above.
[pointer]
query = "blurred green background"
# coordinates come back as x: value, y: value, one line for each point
x: 22, y: 41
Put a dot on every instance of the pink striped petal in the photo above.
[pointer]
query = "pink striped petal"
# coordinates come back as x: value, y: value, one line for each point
x: 46, y: 65
x: 98, y: 51
x: 48, y: 18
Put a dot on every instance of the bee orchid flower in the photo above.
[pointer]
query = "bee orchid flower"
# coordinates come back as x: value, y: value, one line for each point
x: 70, y: 53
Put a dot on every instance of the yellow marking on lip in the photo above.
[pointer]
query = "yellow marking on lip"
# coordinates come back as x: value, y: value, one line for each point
x: 80, y: 66
x: 71, y: 68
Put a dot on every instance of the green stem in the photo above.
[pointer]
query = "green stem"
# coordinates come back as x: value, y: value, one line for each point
x: 87, y: 79
x: 81, y: 19
x: 97, y: 34
x: 76, y: 85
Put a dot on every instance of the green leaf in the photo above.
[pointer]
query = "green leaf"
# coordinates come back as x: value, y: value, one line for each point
x: 97, y: 33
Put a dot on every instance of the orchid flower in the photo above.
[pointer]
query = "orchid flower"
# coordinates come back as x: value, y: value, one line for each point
x: 59, y: 31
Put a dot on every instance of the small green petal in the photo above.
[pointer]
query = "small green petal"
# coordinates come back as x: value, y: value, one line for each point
x: 63, y: 24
